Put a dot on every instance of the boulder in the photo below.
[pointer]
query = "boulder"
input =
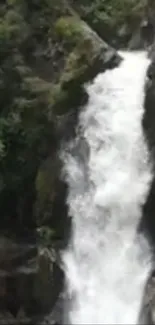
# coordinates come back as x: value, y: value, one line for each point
x: 30, y: 287
x: 85, y: 55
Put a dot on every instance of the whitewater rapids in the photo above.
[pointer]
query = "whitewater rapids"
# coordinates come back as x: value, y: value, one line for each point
x: 107, y: 170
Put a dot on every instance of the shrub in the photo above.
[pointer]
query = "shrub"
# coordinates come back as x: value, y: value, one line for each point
x: 68, y: 29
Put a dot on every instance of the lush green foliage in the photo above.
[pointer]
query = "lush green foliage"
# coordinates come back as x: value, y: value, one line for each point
x: 107, y: 17
x: 25, y: 127
x: 117, y: 10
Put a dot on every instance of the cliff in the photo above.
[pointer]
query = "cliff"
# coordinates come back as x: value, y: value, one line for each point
x: 49, y: 50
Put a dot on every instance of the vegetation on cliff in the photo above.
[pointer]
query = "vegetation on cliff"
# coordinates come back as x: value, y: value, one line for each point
x: 47, y: 52
x: 114, y: 20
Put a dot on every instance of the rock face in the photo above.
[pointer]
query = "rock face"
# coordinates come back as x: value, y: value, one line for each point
x: 147, y: 315
x: 49, y: 50
x: 149, y: 128
x: 47, y: 55
x: 86, y: 54
x: 148, y: 221
x: 30, y: 281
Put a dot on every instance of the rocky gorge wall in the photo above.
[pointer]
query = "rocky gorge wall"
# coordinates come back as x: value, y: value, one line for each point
x: 49, y: 50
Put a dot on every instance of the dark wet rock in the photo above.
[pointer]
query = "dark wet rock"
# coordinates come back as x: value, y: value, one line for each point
x: 147, y: 314
x: 149, y: 130
x: 31, y: 286
x: 56, y: 316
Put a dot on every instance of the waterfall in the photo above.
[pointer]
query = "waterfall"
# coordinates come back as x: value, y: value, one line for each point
x: 108, y: 174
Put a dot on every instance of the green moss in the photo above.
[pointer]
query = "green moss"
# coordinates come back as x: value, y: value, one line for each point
x: 75, y: 66
x: 68, y: 29
x: 45, y: 189
x: 69, y: 92
x: 56, y: 95
x: 56, y: 100
x: 44, y: 182
x: 79, y: 59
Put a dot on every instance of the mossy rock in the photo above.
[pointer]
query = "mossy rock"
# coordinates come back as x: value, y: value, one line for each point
x: 87, y: 56
x: 46, y: 178
x: 46, y: 188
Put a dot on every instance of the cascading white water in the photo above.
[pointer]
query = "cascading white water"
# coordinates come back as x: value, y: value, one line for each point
x: 107, y: 262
